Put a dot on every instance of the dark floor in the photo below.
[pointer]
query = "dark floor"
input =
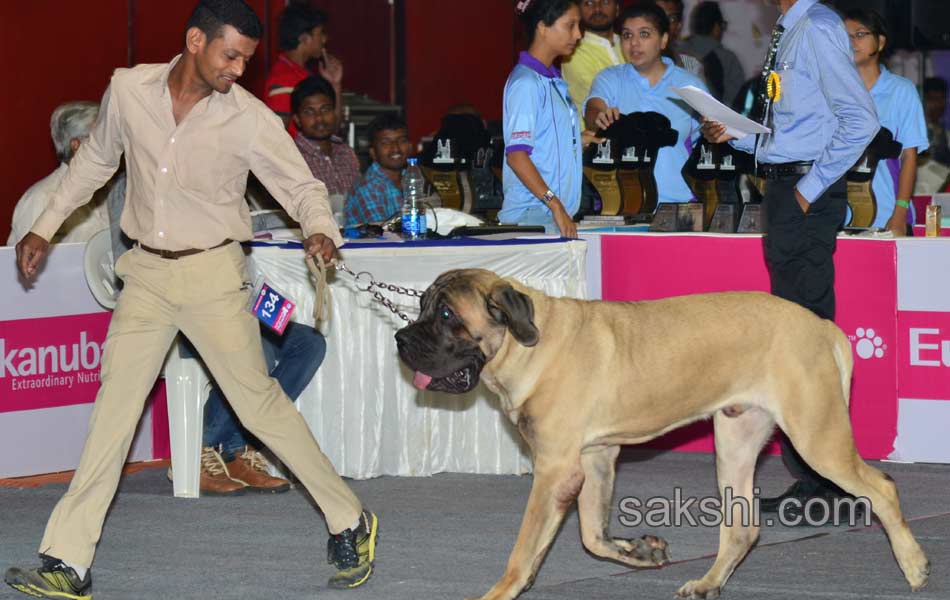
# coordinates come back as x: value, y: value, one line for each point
x: 449, y: 536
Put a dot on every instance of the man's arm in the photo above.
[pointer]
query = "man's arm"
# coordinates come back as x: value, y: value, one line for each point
x: 847, y: 99
x: 277, y: 163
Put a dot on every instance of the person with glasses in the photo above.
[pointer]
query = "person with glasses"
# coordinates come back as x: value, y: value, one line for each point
x: 724, y: 72
x: 598, y: 49
x: 674, y: 12
x: 899, y: 109
x: 643, y: 85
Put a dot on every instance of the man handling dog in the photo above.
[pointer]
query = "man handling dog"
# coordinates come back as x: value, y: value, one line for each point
x: 190, y: 135
x: 474, y: 325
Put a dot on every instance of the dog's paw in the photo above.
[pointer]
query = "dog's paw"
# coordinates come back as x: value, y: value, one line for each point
x: 918, y: 581
x: 649, y: 548
x: 697, y: 590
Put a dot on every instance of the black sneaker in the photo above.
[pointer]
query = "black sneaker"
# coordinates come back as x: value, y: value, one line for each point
x: 354, y: 552
x: 52, y: 580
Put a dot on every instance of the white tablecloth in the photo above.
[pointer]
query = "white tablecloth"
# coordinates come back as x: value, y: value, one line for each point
x: 361, y: 406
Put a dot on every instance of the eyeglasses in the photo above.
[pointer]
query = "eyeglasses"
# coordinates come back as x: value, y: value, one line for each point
x: 675, y: 17
x: 604, y: 3
x: 858, y: 35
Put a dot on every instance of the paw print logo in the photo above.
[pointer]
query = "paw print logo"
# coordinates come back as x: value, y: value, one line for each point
x: 869, y: 344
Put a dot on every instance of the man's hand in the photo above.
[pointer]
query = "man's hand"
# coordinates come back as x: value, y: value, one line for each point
x: 715, y: 132
x: 30, y: 253
x: 802, y: 203
x: 606, y: 117
x: 562, y: 219
x: 588, y: 137
x: 320, y: 244
x: 331, y: 69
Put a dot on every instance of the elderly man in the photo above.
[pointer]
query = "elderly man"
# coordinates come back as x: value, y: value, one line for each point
x: 69, y: 126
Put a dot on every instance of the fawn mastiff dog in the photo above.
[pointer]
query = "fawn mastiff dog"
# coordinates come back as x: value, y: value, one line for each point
x: 580, y: 378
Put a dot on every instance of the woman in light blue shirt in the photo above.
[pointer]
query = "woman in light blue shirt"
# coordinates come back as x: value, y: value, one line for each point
x: 899, y: 109
x: 543, y: 145
x: 643, y: 85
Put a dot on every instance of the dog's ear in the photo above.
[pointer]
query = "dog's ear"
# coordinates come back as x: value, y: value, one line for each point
x: 515, y: 310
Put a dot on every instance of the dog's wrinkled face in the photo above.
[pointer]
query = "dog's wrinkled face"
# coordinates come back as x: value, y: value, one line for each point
x: 465, y: 316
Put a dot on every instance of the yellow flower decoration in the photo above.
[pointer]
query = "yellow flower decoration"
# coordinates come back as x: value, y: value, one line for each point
x: 774, y: 87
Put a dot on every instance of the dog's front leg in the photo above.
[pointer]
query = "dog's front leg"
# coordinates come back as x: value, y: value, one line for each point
x: 554, y: 489
x: 593, y: 506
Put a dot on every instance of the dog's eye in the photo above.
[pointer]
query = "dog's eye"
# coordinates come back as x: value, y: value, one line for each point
x: 446, y: 313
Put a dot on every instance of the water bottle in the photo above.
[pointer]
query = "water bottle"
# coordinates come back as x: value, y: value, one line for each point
x: 413, y: 210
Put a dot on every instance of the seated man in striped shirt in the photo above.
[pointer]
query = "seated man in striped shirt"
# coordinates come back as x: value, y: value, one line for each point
x: 378, y: 195
x: 330, y: 160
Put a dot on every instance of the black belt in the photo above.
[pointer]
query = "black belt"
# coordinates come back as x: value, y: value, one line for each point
x: 176, y: 254
x: 779, y: 170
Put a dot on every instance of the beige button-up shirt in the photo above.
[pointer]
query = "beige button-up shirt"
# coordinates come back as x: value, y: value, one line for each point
x: 186, y: 182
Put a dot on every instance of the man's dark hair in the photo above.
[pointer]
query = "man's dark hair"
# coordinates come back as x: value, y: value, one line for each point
x: 296, y: 20
x: 311, y: 86
x: 648, y: 11
x: 679, y: 6
x: 384, y: 121
x: 873, y: 20
x: 210, y: 16
x: 542, y: 11
x: 935, y: 84
x: 705, y: 17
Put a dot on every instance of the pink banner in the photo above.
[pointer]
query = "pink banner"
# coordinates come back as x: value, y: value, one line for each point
x: 646, y: 267
x: 51, y: 361
x: 924, y: 355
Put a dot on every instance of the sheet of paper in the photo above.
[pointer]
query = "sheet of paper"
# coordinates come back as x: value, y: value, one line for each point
x: 736, y: 125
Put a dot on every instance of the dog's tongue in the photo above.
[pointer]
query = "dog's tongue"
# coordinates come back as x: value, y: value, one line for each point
x: 421, y: 380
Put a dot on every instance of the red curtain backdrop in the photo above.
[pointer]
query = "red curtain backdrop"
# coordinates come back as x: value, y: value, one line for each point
x: 56, y: 51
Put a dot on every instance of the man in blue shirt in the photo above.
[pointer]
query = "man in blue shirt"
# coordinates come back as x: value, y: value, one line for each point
x: 822, y: 119
x: 377, y: 196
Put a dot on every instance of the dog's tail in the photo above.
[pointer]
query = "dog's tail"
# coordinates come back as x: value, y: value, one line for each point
x: 843, y: 359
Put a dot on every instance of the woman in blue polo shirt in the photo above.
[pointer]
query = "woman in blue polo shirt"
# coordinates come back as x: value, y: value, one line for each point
x: 899, y: 110
x: 543, y: 145
x: 643, y: 85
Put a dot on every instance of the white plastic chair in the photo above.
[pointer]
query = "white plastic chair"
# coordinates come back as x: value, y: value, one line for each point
x: 98, y: 268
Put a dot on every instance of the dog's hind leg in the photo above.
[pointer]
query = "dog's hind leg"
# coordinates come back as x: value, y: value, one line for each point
x: 738, y: 442
x: 823, y: 438
x: 554, y: 490
x: 593, y: 506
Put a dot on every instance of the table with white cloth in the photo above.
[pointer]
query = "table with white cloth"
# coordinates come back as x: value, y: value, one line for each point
x: 361, y: 405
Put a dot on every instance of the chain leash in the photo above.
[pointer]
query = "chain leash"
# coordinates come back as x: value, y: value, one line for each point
x: 365, y: 282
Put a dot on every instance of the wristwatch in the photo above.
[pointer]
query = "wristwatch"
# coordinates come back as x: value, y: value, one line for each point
x: 547, y: 197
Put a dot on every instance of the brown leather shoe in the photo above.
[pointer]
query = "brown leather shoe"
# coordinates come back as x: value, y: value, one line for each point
x: 215, y: 479
x: 250, y: 468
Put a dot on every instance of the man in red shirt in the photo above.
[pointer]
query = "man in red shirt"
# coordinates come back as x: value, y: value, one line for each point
x: 303, y: 38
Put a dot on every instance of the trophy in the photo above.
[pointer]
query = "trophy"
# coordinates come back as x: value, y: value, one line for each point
x: 447, y: 161
x: 860, y: 178
x: 712, y: 172
x: 600, y: 168
x: 642, y: 134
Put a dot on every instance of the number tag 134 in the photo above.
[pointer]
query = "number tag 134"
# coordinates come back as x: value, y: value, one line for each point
x: 272, y: 307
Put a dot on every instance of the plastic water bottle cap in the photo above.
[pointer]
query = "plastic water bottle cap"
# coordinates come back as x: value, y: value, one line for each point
x: 413, y: 162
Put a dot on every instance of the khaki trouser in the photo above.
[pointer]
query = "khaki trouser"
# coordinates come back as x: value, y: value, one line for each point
x: 202, y: 296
